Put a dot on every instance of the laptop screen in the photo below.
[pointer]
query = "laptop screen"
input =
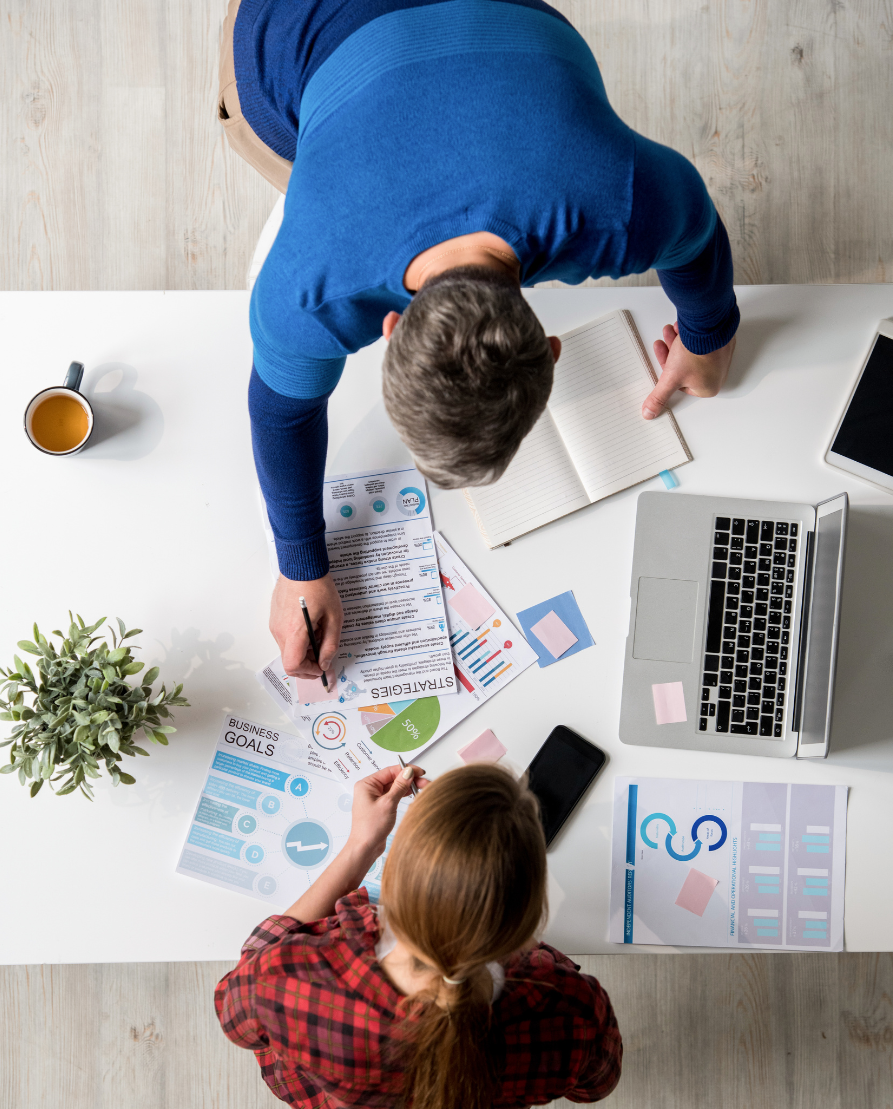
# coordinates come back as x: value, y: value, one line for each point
x: 816, y: 693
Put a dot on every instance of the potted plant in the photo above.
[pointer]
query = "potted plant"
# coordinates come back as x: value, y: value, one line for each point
x: 83, y: 712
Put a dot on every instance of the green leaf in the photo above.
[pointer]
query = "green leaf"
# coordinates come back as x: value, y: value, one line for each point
x: 121, y: 625
x: 160, y: 737
x: 133, y: 631
x: 66, y: 789
x: 127, y: 779
x: 100, y: 717
x: 118, y: 654
x: 110, y: 674
x: 138, y: 750
x: 31, y: 648
x: 82, y: 733
x: 35, y: 786
x: 8, y: 768
x: 150, y: 676
x: 166, y: 729
x: 132, y: 668
x: 113, y: 740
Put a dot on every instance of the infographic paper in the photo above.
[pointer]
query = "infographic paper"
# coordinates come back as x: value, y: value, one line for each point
x: 381, y: 555
x: 356, y: 730
x: 776, y: 853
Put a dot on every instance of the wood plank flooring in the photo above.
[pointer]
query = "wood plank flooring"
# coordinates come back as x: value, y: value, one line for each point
x: 115, y: 175
x: 700, y: 1032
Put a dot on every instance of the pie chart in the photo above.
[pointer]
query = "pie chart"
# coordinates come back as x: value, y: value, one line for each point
x: 406, y: 726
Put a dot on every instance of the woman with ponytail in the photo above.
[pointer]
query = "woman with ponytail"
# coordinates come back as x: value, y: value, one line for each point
x: 440, y: 997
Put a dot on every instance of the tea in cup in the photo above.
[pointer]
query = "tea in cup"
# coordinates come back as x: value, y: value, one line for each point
x: 59, y: 420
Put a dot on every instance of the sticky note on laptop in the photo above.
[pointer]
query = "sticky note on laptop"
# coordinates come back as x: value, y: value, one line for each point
x: 697, y: 889
x: 669, y: 703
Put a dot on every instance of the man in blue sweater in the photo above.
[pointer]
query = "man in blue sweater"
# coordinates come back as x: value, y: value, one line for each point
x: 437, y: 156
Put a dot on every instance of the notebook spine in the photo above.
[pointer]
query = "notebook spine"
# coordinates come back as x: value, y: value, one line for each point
x: 479, y: 521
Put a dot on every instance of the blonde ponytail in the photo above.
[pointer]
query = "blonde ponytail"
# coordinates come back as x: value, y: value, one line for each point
x: 465, y: 884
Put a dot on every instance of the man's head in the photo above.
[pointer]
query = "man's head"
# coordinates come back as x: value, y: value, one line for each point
x: 467, y: 373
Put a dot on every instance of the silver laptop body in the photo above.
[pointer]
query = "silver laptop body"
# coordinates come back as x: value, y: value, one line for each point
x: 739, y: 601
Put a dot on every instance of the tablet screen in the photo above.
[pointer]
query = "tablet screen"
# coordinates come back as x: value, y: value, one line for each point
x: 865, y: 435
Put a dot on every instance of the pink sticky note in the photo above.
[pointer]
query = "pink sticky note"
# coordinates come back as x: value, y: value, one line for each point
x: 669, y: 703
x: 486, y: 748
x: 697, y: 889
x: 472, y: 606
x: 554, y: 634
x: 311, y: 690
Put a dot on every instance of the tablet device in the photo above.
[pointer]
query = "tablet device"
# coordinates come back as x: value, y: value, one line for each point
x: 862, y: 443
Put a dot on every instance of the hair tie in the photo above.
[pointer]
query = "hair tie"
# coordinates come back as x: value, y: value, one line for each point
x: 453, y: 981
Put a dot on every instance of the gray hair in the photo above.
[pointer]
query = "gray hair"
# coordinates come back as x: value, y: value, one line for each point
x: 466, y: 375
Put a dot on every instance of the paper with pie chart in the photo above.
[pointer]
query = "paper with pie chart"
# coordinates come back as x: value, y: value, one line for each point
x: 728, y: 864
x: 363, y: 735
x: 271, y: 816
x: 381, y: 555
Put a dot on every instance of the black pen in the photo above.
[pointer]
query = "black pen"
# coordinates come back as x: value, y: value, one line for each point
x: 313, y: 646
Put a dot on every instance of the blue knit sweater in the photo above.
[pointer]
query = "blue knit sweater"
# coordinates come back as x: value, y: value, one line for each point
x: 421, y: 121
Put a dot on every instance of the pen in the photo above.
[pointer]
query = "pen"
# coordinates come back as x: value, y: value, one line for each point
x: 413, y: 786
x: 313, y: 646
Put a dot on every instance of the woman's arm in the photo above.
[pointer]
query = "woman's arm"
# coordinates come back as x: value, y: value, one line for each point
x: 374, y: 813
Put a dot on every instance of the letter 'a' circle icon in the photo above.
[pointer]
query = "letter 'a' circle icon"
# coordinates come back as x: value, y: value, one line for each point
x: 306, y: 844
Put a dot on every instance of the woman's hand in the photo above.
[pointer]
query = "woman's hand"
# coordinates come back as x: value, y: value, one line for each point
x: 699, y: 375
x: 374, y: 813
x: 375, y: 801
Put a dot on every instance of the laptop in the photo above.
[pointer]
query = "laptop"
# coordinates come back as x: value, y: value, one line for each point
x: 735, y: 611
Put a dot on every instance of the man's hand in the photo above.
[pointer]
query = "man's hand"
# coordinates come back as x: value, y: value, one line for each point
x: 290, y: 631
x: 375, y: 801
x: 699, y: 375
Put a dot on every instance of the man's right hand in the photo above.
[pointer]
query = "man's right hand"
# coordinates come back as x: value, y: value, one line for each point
x: 290, y: 631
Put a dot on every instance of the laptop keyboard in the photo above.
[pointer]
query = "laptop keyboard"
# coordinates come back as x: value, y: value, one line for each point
x: 747, y: 670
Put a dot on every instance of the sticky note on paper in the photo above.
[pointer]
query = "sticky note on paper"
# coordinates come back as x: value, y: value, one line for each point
x: 669, y: 703
x: 310, y: 690
x: 554, y: 634
x: 486, y: 748
x: 697, y: 889
x: 471, y: 605
x: 566, y: 609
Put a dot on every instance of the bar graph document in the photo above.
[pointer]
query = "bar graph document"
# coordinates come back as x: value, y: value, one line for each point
x: 728, y: 864
x: 590, y: 442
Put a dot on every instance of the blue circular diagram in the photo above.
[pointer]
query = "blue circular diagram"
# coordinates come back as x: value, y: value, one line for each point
x: 306, y: 844
x: 379, y: 504
x: 410, y: 501
x: 346, y: 511
x: 246, y: 824
x: 345, y: 802
x: 299, y: 787
x: 713, y: 820
x: 266, y: 885
x: 254, y: 853
x: 270, y: 805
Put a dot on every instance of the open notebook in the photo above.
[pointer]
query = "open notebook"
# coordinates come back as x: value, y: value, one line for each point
x: 590, y: 442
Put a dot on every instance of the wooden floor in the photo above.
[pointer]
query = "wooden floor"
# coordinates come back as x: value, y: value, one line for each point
x: 115, y: 175
x: 700, y: 1032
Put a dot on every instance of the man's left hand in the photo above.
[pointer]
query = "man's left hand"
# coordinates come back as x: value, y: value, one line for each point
x: 699, y: 375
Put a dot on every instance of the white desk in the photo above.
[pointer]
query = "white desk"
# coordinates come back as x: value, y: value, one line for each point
x: 158, y: 522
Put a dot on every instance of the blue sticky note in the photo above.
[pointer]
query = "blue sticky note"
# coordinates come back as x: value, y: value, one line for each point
x: 566, y: 608
x: 669, y: 479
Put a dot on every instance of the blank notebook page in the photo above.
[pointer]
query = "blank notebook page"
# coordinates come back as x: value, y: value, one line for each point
x: 596, y: 402
x: 539, y: 486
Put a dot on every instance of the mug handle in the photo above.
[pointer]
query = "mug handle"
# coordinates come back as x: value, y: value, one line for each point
x: 74, y: 376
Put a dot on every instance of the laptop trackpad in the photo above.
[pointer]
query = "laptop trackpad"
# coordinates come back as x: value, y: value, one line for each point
x: 665, y: 619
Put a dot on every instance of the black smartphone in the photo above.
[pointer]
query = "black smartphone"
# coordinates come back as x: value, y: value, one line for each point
x: 560, y: 774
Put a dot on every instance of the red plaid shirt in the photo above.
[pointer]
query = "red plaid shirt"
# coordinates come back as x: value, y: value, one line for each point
x: 313, y: 1004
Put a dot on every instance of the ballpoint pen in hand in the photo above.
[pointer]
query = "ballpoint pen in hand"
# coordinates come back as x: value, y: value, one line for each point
x: 413, y: 786
x: 313, y: 646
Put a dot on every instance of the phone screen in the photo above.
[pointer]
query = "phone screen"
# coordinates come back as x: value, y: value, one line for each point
x: 864, y: 436
x: 560, y: 774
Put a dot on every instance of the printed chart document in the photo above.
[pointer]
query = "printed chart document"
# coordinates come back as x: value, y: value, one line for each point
x: 728, y: 864
x: 360, y: 734
x: 271, y: 816
x: 590, y: 442
x: 381, y: 555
